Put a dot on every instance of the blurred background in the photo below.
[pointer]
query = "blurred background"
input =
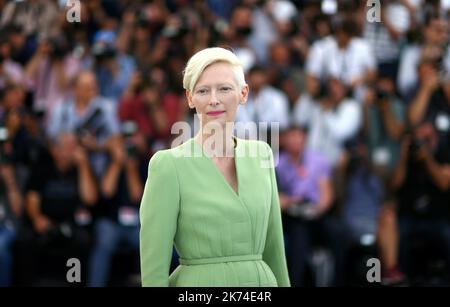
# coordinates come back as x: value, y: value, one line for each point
x: 363, y: 109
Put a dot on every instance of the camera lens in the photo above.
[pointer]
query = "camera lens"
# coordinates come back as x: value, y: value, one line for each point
x: 3, y: 134
x: 129, y: 128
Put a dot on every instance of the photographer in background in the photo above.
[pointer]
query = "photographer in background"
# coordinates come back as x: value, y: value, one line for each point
x: 112, y: 69
x: 61, y: 184
x: 384, y: 123
x: 92, y: 118
x: 15, y: 150
x: 266, y: 104
x: 10, y: 71
x: 306, y: 196
x: 383, y: 129
x: 422, y: 180
x: 344, y: 56
x: 332, y: 117
x: 432, y: 103
x: 117, y: 216
x: 432, y: 46
x: 12, y: 99
x: 10, y: 210
x: 152, y: 111
x: 51, y: 71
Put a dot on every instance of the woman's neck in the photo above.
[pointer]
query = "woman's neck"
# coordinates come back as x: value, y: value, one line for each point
x: 219, y: 144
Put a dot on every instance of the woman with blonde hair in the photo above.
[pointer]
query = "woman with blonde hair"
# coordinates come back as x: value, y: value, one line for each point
x: 215, y: 196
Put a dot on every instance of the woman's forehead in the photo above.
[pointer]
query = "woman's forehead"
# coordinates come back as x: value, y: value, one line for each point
x: 217, y: 73
x: 222, y: 67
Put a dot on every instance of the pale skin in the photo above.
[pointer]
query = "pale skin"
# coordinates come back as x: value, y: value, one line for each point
x: 217, y: 90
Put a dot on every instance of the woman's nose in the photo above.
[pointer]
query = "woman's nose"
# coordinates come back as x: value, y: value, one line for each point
x: 213, y: 99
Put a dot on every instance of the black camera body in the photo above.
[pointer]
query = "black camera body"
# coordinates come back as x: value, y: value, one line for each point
x: 416, y: 144
x: 129, y: 128
x: 90, y: 125
x: 59, y: 48
x: 57, y: 234
x: 103, y: 51
x: 439, y: 64
x: 381, y: 95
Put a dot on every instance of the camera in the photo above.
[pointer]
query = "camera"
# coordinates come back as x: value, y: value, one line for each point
x: 304, y: 209
x: 5, y: 155
x: 38, y: 113
x: 3, y: 134
x: 59, y: 47
x: 57, y: 235
x: 381, y: 95
x: 91, y: 125
x: 103, y: 51
x: 416, y: 144
x: 129, y: 128
x: 439, y: 64
x: 142, y: 19
x: 173, y: 31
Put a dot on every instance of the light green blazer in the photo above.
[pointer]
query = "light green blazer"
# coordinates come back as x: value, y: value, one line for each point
x: 223, y: 238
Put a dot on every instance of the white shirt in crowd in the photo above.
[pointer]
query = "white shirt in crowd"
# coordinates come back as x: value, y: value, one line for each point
x: 327, y: 60
x: 328, y: 129
x: 269, y: 106
x: 386, y: 48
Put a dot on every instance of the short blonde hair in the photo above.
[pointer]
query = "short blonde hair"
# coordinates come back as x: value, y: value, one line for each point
x: 202, y: 59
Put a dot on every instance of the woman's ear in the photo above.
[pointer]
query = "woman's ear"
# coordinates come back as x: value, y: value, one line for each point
x: 244, y: 94
x: 189, y: 99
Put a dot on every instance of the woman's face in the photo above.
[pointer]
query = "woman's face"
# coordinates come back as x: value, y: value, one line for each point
x: 216, y: 95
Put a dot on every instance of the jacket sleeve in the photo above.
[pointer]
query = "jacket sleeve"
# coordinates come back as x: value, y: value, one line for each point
x: 274, y: 252
x: 158, y: 217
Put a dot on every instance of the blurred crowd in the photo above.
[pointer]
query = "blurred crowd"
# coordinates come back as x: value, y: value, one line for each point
x: 363, y: 109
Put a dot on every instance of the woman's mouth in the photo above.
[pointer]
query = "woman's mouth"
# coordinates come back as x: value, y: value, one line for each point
x: 215, y: 113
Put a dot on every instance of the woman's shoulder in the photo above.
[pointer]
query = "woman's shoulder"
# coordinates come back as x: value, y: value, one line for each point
x: 252, y: 143
x: 244, y: 147
x: 184, y: 149
x: 253, y: 149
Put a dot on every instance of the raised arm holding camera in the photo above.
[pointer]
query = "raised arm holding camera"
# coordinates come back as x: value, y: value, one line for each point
x: 10, y: 210
x: 150, y: 113
x: 384, y: 123
x: 91, y: 117
x: 429, y: 84
x: 61, y: 184
x: 117, y: 221
x: 306, y: 198
x: 112, y: 68
x: 51, y: 71
x: 421, y: 182
x: 432, y: 105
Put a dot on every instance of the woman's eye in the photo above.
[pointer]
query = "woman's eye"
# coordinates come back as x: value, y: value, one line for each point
x: 225, y: 89
x: 202, y: 91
